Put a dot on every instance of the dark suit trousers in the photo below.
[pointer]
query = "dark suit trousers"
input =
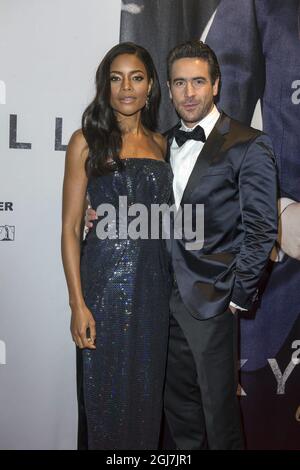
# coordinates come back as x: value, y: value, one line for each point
x: 201, y: 404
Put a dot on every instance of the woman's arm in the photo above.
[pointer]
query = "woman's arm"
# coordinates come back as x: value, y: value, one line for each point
x: 74, y: 194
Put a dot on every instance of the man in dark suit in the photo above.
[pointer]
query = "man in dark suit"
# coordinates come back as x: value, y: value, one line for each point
x: 230, y: 169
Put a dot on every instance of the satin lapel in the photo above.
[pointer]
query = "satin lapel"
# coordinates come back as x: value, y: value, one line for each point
x: 172, y: 199
x: 170, y: 135
x: 168, y: 150
x: 210, y: 149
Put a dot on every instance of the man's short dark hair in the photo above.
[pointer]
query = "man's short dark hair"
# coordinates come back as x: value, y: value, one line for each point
x: 192, y: 49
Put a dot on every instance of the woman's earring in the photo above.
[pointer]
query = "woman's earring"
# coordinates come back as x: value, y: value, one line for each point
x: 147, y: 102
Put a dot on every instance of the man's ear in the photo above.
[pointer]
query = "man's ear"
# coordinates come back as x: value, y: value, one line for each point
x: 216, y: 87
x: 170, y: 93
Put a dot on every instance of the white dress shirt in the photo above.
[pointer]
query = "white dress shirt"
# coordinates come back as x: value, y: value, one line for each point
x: 183, y: 159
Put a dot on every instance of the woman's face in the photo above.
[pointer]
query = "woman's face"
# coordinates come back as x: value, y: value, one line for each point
x: 129, y: 84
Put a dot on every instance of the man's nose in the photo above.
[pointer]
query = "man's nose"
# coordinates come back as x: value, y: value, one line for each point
x: 189, y: 89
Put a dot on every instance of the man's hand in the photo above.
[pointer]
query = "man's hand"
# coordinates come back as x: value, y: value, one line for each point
x: 232, y: 309
x: 297, y: 414
x: 90, y: 215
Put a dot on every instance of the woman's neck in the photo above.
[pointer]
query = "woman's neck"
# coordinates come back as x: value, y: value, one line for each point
x: 130, y: 124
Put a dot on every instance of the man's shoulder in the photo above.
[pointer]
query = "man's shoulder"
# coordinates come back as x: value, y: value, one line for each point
x: 241, y: 129
x: 242, y: 133
x: 243, y: 136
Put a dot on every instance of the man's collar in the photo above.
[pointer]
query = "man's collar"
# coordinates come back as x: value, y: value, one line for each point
x: 206, y: 123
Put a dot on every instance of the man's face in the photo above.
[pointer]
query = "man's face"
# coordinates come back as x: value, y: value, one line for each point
x: 191, y: 89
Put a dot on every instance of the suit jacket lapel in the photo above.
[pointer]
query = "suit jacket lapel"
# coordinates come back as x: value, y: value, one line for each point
x: 210, y: 149
x: 169, y: 136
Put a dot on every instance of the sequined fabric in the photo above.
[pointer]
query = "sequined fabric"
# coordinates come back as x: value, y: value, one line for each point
x: 126, y: 286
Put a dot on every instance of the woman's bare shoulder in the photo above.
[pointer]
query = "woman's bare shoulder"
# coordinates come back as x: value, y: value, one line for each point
x: 77, y: 138
x: 78, y: 144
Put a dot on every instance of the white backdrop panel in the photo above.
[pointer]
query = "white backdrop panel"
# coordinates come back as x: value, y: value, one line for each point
x: 49, y: 52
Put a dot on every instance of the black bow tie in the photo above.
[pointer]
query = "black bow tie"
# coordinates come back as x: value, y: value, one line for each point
x: 182, y: 136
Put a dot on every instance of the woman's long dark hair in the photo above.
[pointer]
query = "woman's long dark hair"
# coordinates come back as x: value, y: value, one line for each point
x: 99, y: 124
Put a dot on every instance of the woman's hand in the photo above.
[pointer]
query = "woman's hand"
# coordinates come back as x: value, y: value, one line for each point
x: 81, y: 321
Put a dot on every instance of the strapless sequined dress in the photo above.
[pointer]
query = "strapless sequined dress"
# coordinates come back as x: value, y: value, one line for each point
x: 126, y: 286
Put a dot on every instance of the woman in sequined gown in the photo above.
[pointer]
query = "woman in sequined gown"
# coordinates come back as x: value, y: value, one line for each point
x: 119, y: 289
